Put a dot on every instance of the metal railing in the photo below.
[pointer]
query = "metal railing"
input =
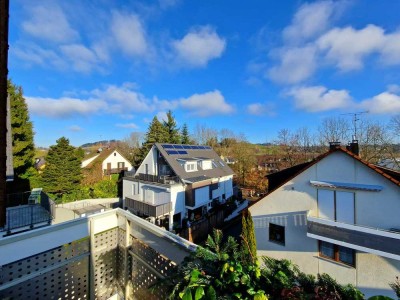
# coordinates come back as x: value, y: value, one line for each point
x: 312, y: 216
x: 21, y: 215
x: 163, y: 179
x: 114, y: 171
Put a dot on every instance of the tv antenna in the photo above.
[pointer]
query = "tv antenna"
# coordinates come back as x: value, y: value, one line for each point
x: 355, y: 119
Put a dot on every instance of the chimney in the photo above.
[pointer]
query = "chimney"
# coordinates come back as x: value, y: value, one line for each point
x: 353, y: 147
x: 334, y: 145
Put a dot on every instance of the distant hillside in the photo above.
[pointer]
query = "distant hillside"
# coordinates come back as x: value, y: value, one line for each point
x: 98, y: 143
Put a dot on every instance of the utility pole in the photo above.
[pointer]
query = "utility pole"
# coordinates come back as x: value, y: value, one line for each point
x: 4, y: 11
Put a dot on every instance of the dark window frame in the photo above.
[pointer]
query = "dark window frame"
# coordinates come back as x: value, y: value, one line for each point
x: 273, y: 228
x: 336, y: 256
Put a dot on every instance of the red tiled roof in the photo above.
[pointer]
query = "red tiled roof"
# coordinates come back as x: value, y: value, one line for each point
x: 282, y: 177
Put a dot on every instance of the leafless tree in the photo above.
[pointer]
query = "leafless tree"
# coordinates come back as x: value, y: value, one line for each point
x: 395, y: 125
x: 204, y: 135
x: 376, y: 141
x: 334, y: 130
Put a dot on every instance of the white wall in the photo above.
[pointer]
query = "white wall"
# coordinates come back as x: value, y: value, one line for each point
x: 114, y: 158
x: 161, y: 194
x: 151, y: 161
x: 202, y: 196
x: 289, y: 204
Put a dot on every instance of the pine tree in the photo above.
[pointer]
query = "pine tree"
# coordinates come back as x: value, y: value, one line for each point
x: 156, y: 133
x: 62, y: 174
x: 249, y: 245
x: 185, y: 138
x: 22, y: 131
x: 171, y: 129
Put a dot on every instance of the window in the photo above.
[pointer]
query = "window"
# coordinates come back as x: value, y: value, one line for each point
x: 121, y: 165
x: 336, y: 205
x: 277, y: 233
x: 337, y: 253
x: 191, y: 167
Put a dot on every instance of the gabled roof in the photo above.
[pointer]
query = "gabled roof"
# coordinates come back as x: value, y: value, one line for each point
x: 172, y: 155
x: 103, y: 155
x: 278, y: 179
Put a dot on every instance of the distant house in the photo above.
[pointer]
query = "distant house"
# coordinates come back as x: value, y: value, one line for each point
x: 337, y: 214
x: 107, y: 162
x: 390, y: 163
x: 176, y: 183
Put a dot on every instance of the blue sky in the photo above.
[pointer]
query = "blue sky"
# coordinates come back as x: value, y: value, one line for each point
x: 94, y: 70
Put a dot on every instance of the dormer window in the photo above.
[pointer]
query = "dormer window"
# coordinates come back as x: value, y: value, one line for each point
x: 191, y: 166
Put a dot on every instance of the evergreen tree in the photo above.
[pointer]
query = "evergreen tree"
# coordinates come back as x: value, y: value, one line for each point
x: 156, y: 133
x: 22, y: 131
x: 249, y: 245
x: 185, y: 138
x: 173, y: 135
x: 62, y: 174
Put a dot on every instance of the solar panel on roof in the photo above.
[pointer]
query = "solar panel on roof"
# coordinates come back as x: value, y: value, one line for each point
x: 187, y: 147
x: 182, y: 152
x: 165, y: 146
x: 170, y: 152
x: 178, y: 146
x: 207, y: 147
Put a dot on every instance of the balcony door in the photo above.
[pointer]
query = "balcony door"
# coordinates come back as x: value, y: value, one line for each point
x: 336, y: 206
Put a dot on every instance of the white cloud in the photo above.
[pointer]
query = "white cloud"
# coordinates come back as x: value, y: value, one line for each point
x: 260, y: 109
x: 48, y: 22
x: 310, y: 43
x: 384, y: 103
x: 82, y: 59
x: 199, y: 46
x: 390, y: 50
x: 347, y: 47
x: 296, y: 65
x: 310, y: 20
x: 127, y: 125
x: 75, y: 128
x: 63, y: 107
x: 164, y: 4
x: 319, y: 98
x: 129, y: 34
x: 36, y: 55
x: 123, y: 99
x: 207, y: 104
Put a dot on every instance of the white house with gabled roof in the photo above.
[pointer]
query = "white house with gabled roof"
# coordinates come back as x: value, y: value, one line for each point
x: 176, y: 182
x: 338, y: 215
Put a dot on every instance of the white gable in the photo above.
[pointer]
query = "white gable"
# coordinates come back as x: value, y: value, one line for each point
x: 116, y: 160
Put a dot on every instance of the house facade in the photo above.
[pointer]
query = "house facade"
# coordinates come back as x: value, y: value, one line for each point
x: 337, y: 215
x: 176, y: 183
x: 111, y: 161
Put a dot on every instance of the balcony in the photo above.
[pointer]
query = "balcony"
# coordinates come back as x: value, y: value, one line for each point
x: 372, y: 240
x: 158, y: 179
x: 114, y: 171
x: 28, y: 210
x: 111, y: 254
x: 148, y: 209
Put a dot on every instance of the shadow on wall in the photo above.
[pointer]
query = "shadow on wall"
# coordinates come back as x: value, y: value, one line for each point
x: 295, y: 230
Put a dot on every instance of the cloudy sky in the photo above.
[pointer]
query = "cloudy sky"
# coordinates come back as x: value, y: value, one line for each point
x: 99, y: 69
